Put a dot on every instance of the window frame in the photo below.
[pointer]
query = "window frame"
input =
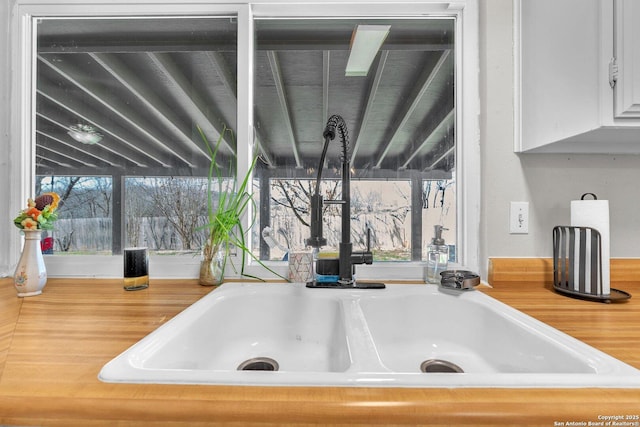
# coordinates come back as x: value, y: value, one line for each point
x: 22, y: 131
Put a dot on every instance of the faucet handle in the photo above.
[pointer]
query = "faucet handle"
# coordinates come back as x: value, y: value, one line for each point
x: 368, y: 239
x: 316, y: 240
x: 364, y: 257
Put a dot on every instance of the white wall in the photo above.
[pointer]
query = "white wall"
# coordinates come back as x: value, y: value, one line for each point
x: 5, y: 215
x: 548, y: 181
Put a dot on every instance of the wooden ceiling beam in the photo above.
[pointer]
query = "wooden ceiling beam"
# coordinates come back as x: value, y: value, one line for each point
x: 61, y: 159
x: 450, y: 152
x: 100, y: 152
x: 228, y: 79
x: 191, y: 100
x: 123, y: 112
x: 154, y: 105
x: 127, y: 146
x: 53, y: 143
x: 411, y: 106
x: 434, y: 137
x: 369, y: 102
x: 284, y: 105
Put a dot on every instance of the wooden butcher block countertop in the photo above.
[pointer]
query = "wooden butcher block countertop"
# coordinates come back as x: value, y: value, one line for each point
x: 52, y: 347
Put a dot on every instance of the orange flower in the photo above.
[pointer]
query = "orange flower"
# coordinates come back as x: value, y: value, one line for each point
x: 29, y: 224
x: 34, y: 213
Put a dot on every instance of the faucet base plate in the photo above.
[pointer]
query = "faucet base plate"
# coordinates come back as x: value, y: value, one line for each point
x: 337, y: 285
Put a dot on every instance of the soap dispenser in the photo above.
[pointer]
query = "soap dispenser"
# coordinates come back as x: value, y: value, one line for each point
x: 437, y: 256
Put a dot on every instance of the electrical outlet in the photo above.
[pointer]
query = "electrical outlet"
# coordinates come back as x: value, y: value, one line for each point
x: 519, y: 218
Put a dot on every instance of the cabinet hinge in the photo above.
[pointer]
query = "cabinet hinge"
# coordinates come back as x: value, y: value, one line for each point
x: 613, y: 72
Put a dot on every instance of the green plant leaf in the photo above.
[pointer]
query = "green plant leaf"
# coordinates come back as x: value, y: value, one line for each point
x: 225, y: 220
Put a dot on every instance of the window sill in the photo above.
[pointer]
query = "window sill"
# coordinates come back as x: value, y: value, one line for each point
x: 188, y: 266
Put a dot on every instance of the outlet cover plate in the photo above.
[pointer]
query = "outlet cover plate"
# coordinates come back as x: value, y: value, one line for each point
x: 519, y: 218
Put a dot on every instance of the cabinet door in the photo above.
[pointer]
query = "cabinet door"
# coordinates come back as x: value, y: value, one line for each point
x: 627, y: 52
x: 558, y: 70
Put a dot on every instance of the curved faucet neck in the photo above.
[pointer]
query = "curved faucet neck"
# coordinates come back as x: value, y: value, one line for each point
x: 336, y: 125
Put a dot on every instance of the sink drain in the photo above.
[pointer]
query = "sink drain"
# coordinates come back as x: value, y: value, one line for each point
x: 259, y: 364
x: 437, y: 365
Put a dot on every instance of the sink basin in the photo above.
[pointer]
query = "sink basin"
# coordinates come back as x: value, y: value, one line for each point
x: 238, y: 327
x: 478, y: 335
x: 401, y: 336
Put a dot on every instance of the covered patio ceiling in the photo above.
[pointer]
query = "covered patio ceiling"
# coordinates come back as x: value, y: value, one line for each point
x: 145, y: 84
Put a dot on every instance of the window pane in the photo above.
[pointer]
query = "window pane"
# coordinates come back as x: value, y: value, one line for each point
x: 123, y: 98
x: 165, y: 214
x: 168, y: 214
x: 400, y: 115
x: 438, y: 208
x: 85, y: 214
x: 382, y: 206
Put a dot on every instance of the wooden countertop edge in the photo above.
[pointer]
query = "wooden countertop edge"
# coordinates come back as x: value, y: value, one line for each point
x: 41, y: 401
x: 521, y: 270
x: 528, y: 409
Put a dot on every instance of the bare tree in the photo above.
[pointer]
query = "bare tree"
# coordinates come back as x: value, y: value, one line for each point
x: 290, y: 208
x: 295, y: 195
x: 102, y: 195
x: 181, y: 201
x: 63, y: 185
x: 137, y: 208
x: 370, y: 211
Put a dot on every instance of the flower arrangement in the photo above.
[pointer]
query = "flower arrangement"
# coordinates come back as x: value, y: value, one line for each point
x: 40, y: 213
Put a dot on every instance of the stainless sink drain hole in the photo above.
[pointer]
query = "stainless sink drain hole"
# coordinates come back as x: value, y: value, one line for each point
x: 437, y: 365
x: 259, y: 364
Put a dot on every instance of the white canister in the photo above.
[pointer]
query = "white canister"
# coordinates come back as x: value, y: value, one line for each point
x: 300, y: 266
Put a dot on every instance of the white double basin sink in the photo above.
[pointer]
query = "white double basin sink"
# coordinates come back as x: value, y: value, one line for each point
x: 401, y: 336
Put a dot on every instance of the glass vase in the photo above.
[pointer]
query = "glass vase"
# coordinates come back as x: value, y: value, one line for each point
x: 31, y: 273
x: 212, y: 271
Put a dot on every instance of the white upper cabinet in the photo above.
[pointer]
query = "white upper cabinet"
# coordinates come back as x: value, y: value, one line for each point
x: 577, y: 76
x: 627, y: 58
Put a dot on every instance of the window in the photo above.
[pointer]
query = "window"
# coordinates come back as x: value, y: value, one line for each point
x: 400, y: 113
x: 85, y: 222
x: 123, y: 97
x: 108, y: 69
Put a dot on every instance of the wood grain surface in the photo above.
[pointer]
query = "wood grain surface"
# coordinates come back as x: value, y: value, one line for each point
x: 52, y: 347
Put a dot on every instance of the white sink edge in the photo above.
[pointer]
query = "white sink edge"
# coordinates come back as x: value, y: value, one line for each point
x: 126, y: 369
